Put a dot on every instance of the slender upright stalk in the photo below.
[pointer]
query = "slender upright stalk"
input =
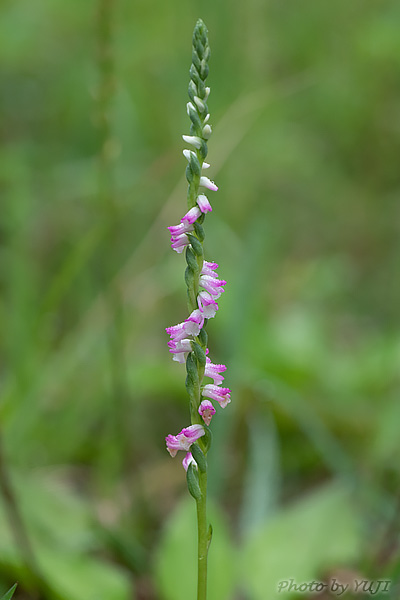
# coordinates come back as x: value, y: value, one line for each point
x: 189, y: 339
x: 202, y: 538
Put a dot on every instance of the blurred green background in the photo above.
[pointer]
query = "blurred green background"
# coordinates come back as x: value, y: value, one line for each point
x: 304, y: 469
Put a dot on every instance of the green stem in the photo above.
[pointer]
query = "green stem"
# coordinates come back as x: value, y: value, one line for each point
x: 202, y: 538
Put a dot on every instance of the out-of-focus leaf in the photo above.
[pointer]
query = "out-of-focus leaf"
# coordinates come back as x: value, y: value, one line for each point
x: 59, y: 526
x: 317, y: 533
x: 262, y: 474
x: 10, y: 593
x: 176, y: 566
x: 81, y: 577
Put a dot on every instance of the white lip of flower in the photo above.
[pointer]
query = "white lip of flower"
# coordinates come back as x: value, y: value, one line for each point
x: 208, y: 90
x: 193, y: 140
x: 206, y: 118
x: 205, y: 182
x: 207, y: 131
x: 187, y: 154
x: 199, y: 103
x: 189, y: 106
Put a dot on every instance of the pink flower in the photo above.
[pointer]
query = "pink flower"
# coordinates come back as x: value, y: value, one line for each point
x: 179, y: 242
x: 177, y: 332
x: 209, y: 279
x: 194, y: 322
x: 214, y: 371
x: 212, y: 285
x: 176, y: 230
x: 206, y: 411
x: 188, y: 460
x: 180, y: 349
x: 207, y: 305
x: 184, y: 439
x: 203, y: 203
x: 220, y: 394
x: 207, y: 183
x: 192, y: 215
x: 209, y: 268
x: 179, y: 342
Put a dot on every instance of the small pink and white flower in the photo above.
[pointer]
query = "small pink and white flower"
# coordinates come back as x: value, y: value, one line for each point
x: 184, y: 439
x: 177, y: 332
x: 212, y: 285
x: 188, y: 460
x: 194, y: 322
x: 207, y: 304
x: 192, y: 215
x: 207, y: 183
x: 203, y: 203
x: 180, y: 349
x: 179, y: 242
x: 209, y: 268
x: 206, y: 411
x: 215, y: 392
x: 214, y: 371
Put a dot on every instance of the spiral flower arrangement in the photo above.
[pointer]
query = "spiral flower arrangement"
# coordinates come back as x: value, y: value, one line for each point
x: 188, y: 340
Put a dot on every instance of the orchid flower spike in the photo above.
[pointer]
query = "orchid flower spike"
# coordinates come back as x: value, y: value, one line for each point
x: 188, y: 339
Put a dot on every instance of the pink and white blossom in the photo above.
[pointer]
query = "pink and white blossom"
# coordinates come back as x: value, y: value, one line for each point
x: 203, y: 203
x: 179, y: 242
x: 207, y: 305
x: 194, y: 322
x: 180, y: 349
x: 192, y: 215
x: 212, y: 285
x: 207, y: 183
x: 184, y: 439
x: 214, y: 371
x: 188, y: 460
x: 176, y: 230
x: 177, y: 332
x: 215, y: 392
x: 209, y: 268
x: 206, y: 411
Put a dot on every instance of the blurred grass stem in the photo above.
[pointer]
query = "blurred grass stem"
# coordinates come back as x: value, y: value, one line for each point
x: 109, y: 208
x: 34, y: 578
x: 16, y: 521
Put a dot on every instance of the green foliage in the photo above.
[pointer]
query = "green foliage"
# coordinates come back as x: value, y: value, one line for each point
x: 302, y: 542
x: 59, y: 525
x: 10, y: 593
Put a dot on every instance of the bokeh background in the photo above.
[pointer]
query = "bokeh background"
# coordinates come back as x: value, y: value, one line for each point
x: 304, y: 469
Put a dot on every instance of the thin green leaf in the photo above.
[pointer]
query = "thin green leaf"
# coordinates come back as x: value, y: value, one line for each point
x: 10, y: 593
